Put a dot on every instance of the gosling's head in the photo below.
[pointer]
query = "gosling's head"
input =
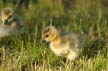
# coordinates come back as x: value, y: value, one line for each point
x: 50, y: 34
x: 6, y: 14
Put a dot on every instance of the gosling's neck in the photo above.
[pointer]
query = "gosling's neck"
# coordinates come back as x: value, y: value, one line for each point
x: 57, y: 39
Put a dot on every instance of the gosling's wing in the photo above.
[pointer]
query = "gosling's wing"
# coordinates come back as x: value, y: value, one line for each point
x: 80, y: 39
x: 75, y: 40
x: 68, y: 38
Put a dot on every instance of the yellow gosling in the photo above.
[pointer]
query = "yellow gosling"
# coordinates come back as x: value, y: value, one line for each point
x: 10, y: 22
x: 69, y: 45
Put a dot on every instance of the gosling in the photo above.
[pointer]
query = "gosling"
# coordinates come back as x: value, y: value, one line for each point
x: 69, y: 45
x: 10, y: 23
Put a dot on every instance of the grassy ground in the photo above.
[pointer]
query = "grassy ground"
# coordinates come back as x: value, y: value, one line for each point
x: 26, y: 52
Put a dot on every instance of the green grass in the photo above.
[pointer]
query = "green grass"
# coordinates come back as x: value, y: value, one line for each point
x: 26, y: 52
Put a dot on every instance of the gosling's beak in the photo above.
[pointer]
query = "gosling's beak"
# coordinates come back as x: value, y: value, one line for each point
x: 5, y: 22
x: 42, y: 41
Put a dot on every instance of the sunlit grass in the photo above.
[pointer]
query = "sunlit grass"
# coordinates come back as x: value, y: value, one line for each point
x: 26, y: 52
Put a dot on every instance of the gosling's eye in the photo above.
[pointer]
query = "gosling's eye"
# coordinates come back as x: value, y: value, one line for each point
x: 46, y: 35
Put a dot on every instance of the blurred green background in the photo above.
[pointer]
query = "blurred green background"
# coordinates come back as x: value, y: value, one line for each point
x: 26, y: 53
